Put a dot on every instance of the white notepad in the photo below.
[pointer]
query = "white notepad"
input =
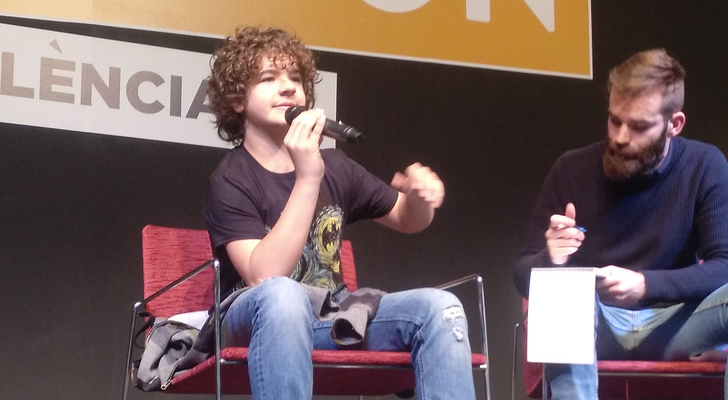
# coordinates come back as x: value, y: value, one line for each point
x: 561, y: 316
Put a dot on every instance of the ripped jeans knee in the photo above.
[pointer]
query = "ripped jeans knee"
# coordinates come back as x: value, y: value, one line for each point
x: 441, y: 311
x: 453, y: 314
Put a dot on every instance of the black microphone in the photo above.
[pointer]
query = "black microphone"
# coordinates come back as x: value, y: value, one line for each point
x: 332, y: 129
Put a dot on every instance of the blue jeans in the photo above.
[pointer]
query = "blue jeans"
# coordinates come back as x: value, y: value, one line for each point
x: 275, y: 320
x: 673, y: 333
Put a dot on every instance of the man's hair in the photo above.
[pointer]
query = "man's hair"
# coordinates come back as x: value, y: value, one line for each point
x: 236, y: 66
x: 647, y: 71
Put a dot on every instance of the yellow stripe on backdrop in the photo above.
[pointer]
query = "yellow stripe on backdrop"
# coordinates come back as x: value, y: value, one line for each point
x: 539, y: 36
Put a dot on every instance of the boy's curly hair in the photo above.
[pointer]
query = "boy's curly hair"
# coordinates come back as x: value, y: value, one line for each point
x: 235, y: 65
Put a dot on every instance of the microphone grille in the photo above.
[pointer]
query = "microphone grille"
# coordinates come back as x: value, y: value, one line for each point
x: 293, y: 112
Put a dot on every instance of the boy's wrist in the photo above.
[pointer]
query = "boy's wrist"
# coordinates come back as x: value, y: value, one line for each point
x: 308, y: 181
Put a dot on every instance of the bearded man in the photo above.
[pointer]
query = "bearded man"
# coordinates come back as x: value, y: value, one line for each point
x: 656, y: 209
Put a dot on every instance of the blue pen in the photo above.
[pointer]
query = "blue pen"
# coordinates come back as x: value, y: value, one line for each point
x: 581, y: 228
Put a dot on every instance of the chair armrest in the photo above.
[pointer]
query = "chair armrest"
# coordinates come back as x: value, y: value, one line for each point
x: 478, y: 280
x: 140, y: 304
x: 470, y: 278
x: 179, y: 280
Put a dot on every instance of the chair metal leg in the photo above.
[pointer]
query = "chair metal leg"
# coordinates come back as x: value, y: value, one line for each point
x: 217, y: 322
x: 514, y: 360
x: 127, y: 372
x: 544, y: 383
x: 481, y: 304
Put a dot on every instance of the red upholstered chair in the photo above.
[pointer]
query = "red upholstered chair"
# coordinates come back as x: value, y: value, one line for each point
x: 181, y: 259
x: 664, y: 380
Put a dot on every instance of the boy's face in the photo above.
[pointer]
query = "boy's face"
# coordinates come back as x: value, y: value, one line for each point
x: 278, y: 87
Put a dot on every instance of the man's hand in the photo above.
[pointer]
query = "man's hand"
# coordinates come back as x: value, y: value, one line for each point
x: 422, y: 182
x: 563, y: 238
x: 620, y: 286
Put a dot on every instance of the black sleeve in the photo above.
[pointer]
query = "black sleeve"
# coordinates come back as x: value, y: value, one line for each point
x: 368, y: 197
x: 551, y: 200
x: 231, y: 212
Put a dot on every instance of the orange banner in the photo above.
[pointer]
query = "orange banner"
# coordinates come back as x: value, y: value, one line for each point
x: 537, y: 36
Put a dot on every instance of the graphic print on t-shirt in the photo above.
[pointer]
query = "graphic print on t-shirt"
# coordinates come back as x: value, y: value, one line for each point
x: 320, y: 264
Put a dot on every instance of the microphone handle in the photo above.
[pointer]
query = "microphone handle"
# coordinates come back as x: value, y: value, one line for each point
x: 342, y: 132
x: 332, y: 129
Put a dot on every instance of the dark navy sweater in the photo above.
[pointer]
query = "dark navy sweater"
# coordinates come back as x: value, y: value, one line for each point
x: 660, y: 225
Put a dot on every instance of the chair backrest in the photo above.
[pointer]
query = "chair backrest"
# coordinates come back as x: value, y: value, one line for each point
x: 169, y: 253
x: 348, y: 268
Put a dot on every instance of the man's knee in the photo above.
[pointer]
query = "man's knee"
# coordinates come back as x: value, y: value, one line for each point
x: 718, y: 298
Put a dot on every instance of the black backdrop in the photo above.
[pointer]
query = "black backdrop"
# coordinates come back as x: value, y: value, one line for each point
x: 72, y: 205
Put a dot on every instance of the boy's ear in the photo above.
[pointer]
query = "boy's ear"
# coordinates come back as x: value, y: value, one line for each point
x: 239, y: 108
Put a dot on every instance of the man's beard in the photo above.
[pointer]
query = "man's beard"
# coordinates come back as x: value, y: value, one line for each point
x: 621, y: 164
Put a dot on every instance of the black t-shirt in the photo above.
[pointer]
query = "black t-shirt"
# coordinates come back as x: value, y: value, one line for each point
x: 244, y: 201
